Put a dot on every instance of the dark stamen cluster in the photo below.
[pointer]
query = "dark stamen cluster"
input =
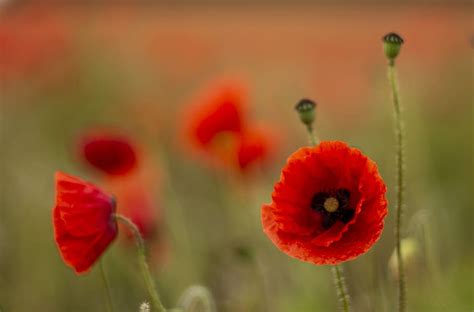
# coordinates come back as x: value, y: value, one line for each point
x: 343, y: 213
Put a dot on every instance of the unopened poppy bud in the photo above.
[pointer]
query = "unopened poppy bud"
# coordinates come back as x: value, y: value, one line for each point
x: 392, y: 43
x: 306, y: 111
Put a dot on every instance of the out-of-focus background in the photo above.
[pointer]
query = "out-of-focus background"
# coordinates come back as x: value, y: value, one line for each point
x: 66, y: 67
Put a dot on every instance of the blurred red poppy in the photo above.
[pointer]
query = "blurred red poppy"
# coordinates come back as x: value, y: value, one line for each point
x: 112, y: 153
x: 135, y: 195
x: 138, y: 195
x: 218, y: 110
x: 137, y: 205
x: 218, y: 129
x: 83, y: 221
x: 329, y: 205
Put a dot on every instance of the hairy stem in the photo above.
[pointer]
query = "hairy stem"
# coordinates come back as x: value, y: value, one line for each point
x: 400, y: 183
x: 313, y: 139
x: 110, y: 306
x: 341, y: 288
x: 150, y: 285
x: 338, y: 275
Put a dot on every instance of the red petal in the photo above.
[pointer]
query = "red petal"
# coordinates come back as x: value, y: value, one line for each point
x: 112, y: 153
x: 83, y: 221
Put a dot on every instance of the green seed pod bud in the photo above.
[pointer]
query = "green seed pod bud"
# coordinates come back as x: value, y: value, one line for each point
x: 306, y: 111
x: 392, y: 44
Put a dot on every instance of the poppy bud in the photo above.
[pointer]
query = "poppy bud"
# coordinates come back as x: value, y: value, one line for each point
x: 392, y: 43
x: 306, y: 111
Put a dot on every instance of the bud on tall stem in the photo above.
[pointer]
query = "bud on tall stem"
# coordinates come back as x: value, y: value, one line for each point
x: 307, y: 112
x: 392, y: 46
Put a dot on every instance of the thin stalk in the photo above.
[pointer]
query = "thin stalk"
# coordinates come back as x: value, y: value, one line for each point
x: 110, y: 306
x: 400, y: 182
x: 341, y: 287
x: 150, y: 285
x: 313, y: 139
x: 338, y: 274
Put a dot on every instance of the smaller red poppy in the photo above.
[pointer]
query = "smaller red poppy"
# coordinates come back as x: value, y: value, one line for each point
x: 216, y: 111
x: 83, y: 221
x: 218, y: 129
x: 329, y: 205
x: 111, y: 153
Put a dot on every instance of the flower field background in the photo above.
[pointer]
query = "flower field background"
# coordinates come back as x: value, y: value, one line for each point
x: 140, y: 71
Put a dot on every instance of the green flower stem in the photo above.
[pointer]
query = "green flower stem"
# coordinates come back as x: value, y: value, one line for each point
x: 338, y: 274
x: 341, y: 287
x: 400, y: 182
x: 110, y: 306
x: 150, y: 285
x: 313, y: 139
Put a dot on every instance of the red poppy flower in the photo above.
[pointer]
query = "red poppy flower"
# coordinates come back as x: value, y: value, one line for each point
x: 83, y: 220
x: 328, y: 206
x: 217, y: 111
x: 217, y: 128
x: 111, y: 153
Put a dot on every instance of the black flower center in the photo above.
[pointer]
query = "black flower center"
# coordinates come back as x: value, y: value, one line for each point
x: 333, y: 206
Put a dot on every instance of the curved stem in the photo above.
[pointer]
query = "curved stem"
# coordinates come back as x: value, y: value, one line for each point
x: 110, y: 306
x: 195, y: 294
x: 150, y: 285
x: 341, y: 288
x: 400, y: 180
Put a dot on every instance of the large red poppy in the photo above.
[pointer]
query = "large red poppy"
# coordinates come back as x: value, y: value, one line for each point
x: 83, y: 220
x: 329, y: 205
x: 109, y: 152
